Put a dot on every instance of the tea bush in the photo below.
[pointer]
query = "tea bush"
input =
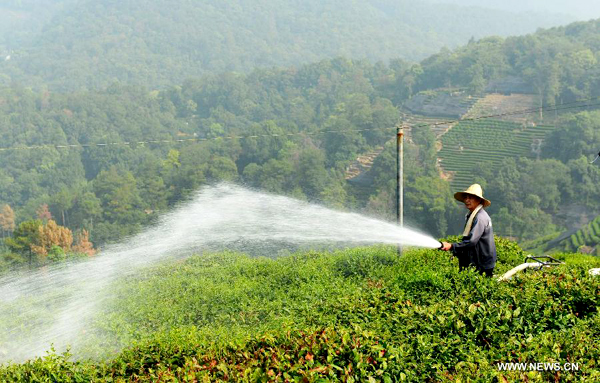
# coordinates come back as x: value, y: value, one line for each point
x: 353, y: 315
x: 588, y: 235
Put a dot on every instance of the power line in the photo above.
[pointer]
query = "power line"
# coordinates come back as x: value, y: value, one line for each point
x: 195, y: 139
x: 565, y: 106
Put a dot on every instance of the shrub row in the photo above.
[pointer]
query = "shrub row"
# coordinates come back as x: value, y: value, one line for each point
x: 488, y: 141
x: 588, y: 235
x: 355, y: 315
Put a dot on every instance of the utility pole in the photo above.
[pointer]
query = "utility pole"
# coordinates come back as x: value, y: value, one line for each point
x: 400, y: 179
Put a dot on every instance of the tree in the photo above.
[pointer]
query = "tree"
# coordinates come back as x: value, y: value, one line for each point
x: 579, y: 135
x: 425, y: 146
x: 311, y: 172
x: 23, y: 237
x: 503, y: 222
x: 586, y: 178
x: 548, y: 179
x: 221, y: 169
x: 43, y: 213
x: 532, y: 220
x: 428, y: 204
x: 83, y: 244
x: 62, y: 202
x: 275, y: 176
x: 382, y: 204
x: 478, y: 83
x: 86, y: 210
x: 153, y: 193
x: 344, y: 146
x: 251, y: 174
x: 503, y: 188
x: 385, y: 115
x: 334, y: 194
x: 49, y: 236
x: 268, y: 142
x: 117, y: 189
x: 172, y: 160
x: 7, y: 220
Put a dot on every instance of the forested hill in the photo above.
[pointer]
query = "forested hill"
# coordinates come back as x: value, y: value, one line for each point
x: 559, y: 64
x: 114, y: 191
x: 91, y: 44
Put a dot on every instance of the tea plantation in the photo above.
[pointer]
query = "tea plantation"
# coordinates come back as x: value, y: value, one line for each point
x: 587, y: 236
x: 358, y: 315
x: 472, y: 142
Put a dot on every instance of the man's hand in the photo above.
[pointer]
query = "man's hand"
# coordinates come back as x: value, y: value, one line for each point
x: 446, y: 246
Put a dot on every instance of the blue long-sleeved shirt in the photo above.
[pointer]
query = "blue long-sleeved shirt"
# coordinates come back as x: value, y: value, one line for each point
x: 479, y: 243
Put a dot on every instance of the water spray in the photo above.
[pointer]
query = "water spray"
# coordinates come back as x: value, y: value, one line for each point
x: 56, y: 305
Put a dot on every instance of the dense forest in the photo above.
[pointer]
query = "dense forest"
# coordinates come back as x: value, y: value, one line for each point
x: 56, y: 43
x: 113, y: 191
x: 294, y: 131
x: 559, y: 64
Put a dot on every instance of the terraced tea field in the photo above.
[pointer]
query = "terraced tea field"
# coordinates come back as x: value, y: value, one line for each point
x: 472, y: 142
x: 439, y: 125
x: 494, y: 104
x: 362, y: 163
x: 441, y: 103
x: 588, y: 236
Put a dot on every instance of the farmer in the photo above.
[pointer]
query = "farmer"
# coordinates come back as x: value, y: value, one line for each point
x: 477, y: 247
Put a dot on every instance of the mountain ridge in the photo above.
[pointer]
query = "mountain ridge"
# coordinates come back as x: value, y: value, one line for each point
x: 90, y: 45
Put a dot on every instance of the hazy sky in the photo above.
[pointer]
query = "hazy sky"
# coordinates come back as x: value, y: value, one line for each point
x: 581, y: 9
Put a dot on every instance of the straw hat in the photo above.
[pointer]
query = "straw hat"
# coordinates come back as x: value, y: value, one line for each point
x: 475, y: 190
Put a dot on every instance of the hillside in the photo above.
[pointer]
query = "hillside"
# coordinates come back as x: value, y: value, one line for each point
x: 91, y: 44
x: 295, y: 130
x: 586, y: 239
x: 474, y: 143
x: 361, y: 315
x: 494, y: 104
x: 557, y: 64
